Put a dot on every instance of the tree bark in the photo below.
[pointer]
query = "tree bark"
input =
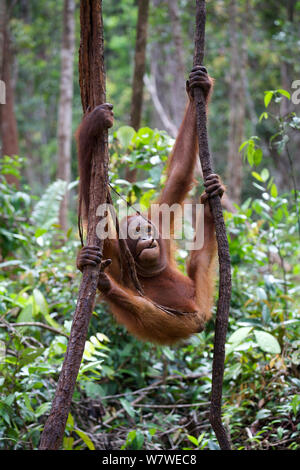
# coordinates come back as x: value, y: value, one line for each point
x: 139, y: 72
x: 92, y: 87
x: 8, y: 122
x: 237, y: 105
x: 223, y: 248
x: 64, y: 131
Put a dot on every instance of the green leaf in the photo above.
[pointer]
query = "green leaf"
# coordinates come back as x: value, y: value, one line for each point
x: 122, y: 182
x: 265, y: 174
x: 42, y: 306
x: 250, y: 154
x: 278, y: 215
x: 268, y: 97
x: 29, y: 354
x: 127, y: 407
x: 193, y: 440
x: 295, y: 403
x: 26, y: 314
x: 146, y: 198
x: 235, y: 340
x: 139, y: 439
x: 85, y: 439
x: 125, y: 135
x: 145, y: 133
x: 257, y: 156
x: 39, y: 232
x: 264, y: 115
x: 169, y: 353
x: 68, y: 443
x: 233, y: 371
x: 243, y: 145
x: 46, y: 211
x: 93, y: 390
x: 42, y: 409
x: 27, y: 402
x: 239, y: 335
x: 134, y: 441
x: 5, y: 412
x: 267, y: 342
x: 155, y: 174
x: 284, y: 93
x: 40, y: 301
x: 274, y: 192
x: 262, y: 414
x: 257, y: 176
x: 70, y: 422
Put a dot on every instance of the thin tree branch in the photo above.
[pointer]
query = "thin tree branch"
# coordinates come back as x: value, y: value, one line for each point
x: 223, y: 248
x: 35, y: 324
x: 168, y: 124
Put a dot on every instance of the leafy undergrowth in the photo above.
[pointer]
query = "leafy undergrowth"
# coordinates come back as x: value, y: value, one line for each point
x: 138, y: 396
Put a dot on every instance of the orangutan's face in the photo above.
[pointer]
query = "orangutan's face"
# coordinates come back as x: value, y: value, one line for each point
x: 147, y: 248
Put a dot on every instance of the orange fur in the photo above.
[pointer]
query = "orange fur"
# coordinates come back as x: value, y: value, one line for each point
x: 191, y: 296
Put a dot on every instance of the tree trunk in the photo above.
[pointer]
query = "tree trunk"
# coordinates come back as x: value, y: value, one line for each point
x: 237, y: 103
x: 92, y: 87
x: 162, y: 72
x: 64, y: 132
x: 287, y: 106
x: 8, y: 122
x: 139, y: 72
x: 177, y: 66
x: 286, y: 68
x: 2, y: 26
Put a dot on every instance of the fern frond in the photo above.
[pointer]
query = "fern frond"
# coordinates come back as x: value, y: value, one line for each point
x: 46, y: 211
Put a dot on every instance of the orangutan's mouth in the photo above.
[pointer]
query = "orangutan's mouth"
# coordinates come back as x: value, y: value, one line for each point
x: 147, y: 245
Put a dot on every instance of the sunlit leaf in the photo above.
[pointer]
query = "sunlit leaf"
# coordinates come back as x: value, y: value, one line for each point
x: 265, y: 174
x: 267, y: 342
x: 268, y: 97
x: 240, y: 334
x: 257, y: 176
x: 86, y: 439
x: 274, y: 192
x: 284, y: 93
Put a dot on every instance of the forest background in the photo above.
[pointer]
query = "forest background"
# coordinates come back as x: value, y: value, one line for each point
x: 254, y: 129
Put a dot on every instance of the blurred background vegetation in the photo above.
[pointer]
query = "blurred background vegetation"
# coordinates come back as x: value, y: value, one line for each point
x: 131, y: 395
